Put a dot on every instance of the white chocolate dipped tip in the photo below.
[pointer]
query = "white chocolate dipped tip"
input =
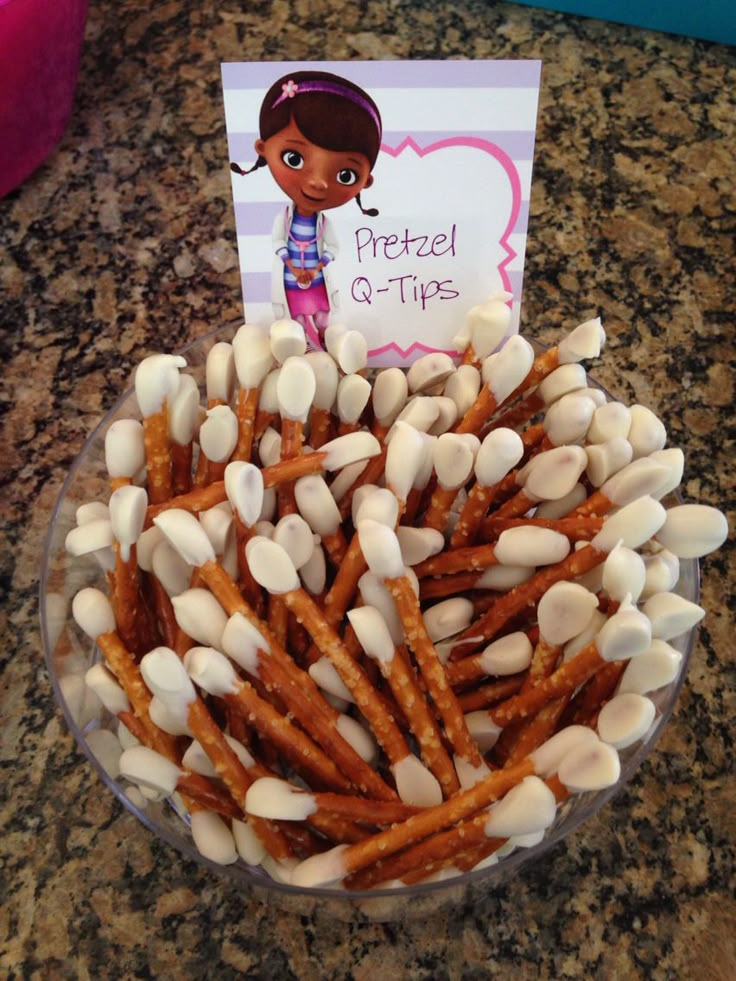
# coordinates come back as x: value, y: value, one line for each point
x: 93, y: 613
x: 693, y: 530
x: 145, y: 767
x: 469, y: 774
x: 429, y: 371
x: 381, y: 549
x: 510, y: 367
x: 344, y: 450
x: 592, y: 767
x: 92, y: 511
x: 125, y: 452
x: 637, y: 479
x: 196, y: 760
x: 662, y: 572
x: 268, y: 400
x: 269, y: 797
x: 674, y: 459
x: 372, y: 632
x: 610, y: 421
x: 528, y: 807
x: 623, y: 574
x: 624, y: 635
x: 564, y: 611
x: 295, y: 536
x: 173, y: 721
x: 213, y: 838
x: 507, y: 655
x: 313, y: 573
x: 295, y: 389
x: 324, y: 674
x: 486, y: 324
x: 448, y: 617
x: 271, y: 566
x: 376, y: 503
x: 499, y: 452
x: 547, y: 757
x: 345, y: 479
x: 646, y: 433
x: 157, y: 381
x: 170, y: 569
x: 531, y: 545
x: 633, y: 525
x: 483, y: 729
x: 348, y: 347
x: 323, y: 869
x: 358, y: 737
x: 606, y: 459
x: 656, y: 667
x: 269, y: 447
x: 217, y: 522
x: 89, y: 537
x: 582, y: 343
x: 253, y: 357
x: 326, y: 379
x: 463, y: 387
x: 421, y: 412
x: 625, y: 719
x: 187, y: 536
x: 554, y: 473
x: 671, y: 615
x: 220, y: 372
x: 390, y: 390
x: 168, y: 680
x: 250, y: 847
x: 353, y: 393
x: 104, y: 684
x: 563, y: 380
x: 567, y: 420
x: 501, y: 578
x: 211, y: 671
x: 446, y: 417
x: 419, y: 544
x: 561, y: 508
x: 317, y: 505
x: 453, y: 460
x: 218, y: 434
x: 416, y: 784
x: 127, y: 516
x: 243, y: 643
x: 373, y: 592
x: 586, y: 636
x: 288, y: 340
x: 424, y: 471
x: 184, y: 412
x: 107, y: 750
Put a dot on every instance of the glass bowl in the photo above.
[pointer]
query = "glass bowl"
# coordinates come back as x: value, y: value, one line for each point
x: 69, y: 653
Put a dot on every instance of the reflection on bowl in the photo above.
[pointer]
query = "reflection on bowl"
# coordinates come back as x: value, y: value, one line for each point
x: 69, y: 654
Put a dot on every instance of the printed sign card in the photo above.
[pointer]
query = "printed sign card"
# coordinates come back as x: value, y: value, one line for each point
x: 388, y: 196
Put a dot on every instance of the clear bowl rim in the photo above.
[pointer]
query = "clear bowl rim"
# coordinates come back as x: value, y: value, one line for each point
x: 252, y: 877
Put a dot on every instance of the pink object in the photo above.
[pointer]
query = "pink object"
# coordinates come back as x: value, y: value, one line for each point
x: 40, y: 45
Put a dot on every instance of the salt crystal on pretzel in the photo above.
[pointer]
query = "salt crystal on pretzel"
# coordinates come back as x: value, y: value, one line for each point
x: 287, y: 339
x: 625, y: 719
x: 125, y: 453
x: 157, y: 381
x: 693, y: 530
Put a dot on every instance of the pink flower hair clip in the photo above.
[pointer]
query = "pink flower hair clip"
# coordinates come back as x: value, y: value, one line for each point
x: 289, y: 89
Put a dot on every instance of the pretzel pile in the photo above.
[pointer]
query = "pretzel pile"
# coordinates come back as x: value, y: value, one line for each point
x: 373, y: 632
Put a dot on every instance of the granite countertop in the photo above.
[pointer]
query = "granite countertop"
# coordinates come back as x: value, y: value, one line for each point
x: 123, y: 243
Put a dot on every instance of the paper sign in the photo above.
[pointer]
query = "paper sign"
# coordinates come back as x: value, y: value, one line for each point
x: 450, y: 183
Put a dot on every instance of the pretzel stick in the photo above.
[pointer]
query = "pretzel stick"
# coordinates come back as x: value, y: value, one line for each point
x: 584, y: 707
x: 280, y: 800
x: 494, y: 691
x: 246, y: 408
x: 576, y: 528
x: 476, y: 506
x: 164, y: 612
x: 369, y: 475
x: 473, y: 558
x: 158, y: 456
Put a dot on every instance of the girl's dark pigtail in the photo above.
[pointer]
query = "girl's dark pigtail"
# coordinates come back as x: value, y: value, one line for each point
x: 237, y: 169
x: 370, y: 212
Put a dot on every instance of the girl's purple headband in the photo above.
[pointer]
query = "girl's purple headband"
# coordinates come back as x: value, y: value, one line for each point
x: 291, y: 88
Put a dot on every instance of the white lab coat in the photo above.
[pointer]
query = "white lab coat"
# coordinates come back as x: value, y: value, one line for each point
x: 326, y: 242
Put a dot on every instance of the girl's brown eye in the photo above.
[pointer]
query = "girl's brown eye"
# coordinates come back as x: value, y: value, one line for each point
x: 346, y: 176
x: 293, y: 159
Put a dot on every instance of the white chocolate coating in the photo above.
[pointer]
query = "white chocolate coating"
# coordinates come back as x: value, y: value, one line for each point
x: 295, y: 536
x: 510, y: 367
x: 552, y: 752
x: 220, y: 372
x: 415, y: 783
x: 353, y: 394
x: 656, y: 667
x: 592, y: 767
x: 271, y: 566
x: 528, y: 807
x: 253, y: 357
x: 184, y: 412
x: 170, y: 569
x: 200, y: 616
x: 693, y: 530
x: 295, y: 389
x: 103, y: 683
x: 499, y: 453
x: 623, y: 573
x: 326, y: 379
x: 531, y: 545
x: 269, y: 797
x: 93, y: 613
x: 625, y: 719
x: 187, y: 536
x: 507, y: 655
x: 627, y: 633
x: 564, y: 611
x: 89, y: 537
x: 429, y: 371
x: 125, y: 452
x: 418, y: 544
x: 145, y: 767
x: 317, y: 505
x: 671, y: 615
x: 633, y: 525
x: 372, y: 632
x: 287, y: 340
x: 211, y: 671
x: 582, y: 343
x: 553, y: 473
x: 344, y: 450
x: 453, y: 460
x: 448, y: 617
x: 157, y: 381
x: 218, y: 434
x: 213, y: 838
x: 381, y: 549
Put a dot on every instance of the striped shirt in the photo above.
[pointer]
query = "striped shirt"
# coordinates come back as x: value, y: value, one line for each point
x: 302, y: 249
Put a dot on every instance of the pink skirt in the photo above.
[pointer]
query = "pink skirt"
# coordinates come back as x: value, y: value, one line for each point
x: 308, y: 302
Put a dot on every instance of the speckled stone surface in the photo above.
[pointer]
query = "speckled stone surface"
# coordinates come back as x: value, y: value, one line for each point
x: 123, y: 243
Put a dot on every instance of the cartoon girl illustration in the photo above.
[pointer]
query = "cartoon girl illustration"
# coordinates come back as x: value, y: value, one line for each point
x: 319, y: 136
